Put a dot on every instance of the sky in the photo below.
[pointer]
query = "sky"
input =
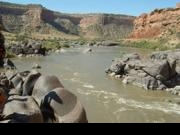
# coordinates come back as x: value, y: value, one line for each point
x: 128, y: 7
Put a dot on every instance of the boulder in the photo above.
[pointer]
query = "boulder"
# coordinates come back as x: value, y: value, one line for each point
x: 44, y: 85
x: 160, y: 69
x: 22, y: 109
x: 29, y: 83
x: 117, y: 67
x: 62, y: 106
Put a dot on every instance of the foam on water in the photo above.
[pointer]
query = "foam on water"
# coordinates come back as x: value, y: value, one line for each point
x: 88, y: 86
x: 107, y: 97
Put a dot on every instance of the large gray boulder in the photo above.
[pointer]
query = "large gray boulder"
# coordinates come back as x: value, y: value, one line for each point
x: 61, y: 106
x: 160, y: 69
x: 22, y: 109
x: 44, y: 85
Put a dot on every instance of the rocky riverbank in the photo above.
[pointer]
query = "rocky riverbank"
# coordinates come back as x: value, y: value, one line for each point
x: 32, y: 48
x: 30, y: 97
x: 161, y: 71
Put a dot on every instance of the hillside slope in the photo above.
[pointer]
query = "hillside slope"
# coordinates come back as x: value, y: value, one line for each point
x: 37, y: 19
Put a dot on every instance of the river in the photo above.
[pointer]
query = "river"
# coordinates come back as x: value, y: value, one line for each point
x: 105, y: 99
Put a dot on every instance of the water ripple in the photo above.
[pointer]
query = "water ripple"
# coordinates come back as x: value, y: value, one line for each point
x: 107, y: 97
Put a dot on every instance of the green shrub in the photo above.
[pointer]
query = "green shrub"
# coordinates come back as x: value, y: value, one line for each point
x: 178, y: 46
x: 50, y: 44
x: 158, y: 45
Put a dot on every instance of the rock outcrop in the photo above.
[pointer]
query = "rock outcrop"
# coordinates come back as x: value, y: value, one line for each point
x: 159, y: 23
x: 31, y: 48
x: 159, y: 72
x: 35, y: 18
x: 29, y: 97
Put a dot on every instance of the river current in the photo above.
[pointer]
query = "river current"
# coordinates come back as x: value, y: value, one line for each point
x: 105, y: 99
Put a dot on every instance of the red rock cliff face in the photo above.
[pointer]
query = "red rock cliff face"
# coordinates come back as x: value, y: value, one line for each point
x: 160, y: 22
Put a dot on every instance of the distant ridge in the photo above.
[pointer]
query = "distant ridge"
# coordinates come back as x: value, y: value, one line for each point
x: 32, y: 18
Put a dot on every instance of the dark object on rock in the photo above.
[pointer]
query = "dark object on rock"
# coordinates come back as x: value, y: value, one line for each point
x: 65, y: 107
x: 8, y: 64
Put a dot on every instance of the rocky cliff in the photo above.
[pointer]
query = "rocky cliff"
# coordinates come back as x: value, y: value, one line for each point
x: 35, y: 18
x: 106, y: 25
x: 159, y: 23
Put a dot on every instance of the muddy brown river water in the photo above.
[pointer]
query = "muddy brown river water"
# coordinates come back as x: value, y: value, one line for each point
x: 105, y: 99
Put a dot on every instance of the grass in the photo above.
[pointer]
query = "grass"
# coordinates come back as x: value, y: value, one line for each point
x: 144, y: 44
x: 55, y: 44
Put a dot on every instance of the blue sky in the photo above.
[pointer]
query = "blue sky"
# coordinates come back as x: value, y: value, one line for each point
x: 130, y: 7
